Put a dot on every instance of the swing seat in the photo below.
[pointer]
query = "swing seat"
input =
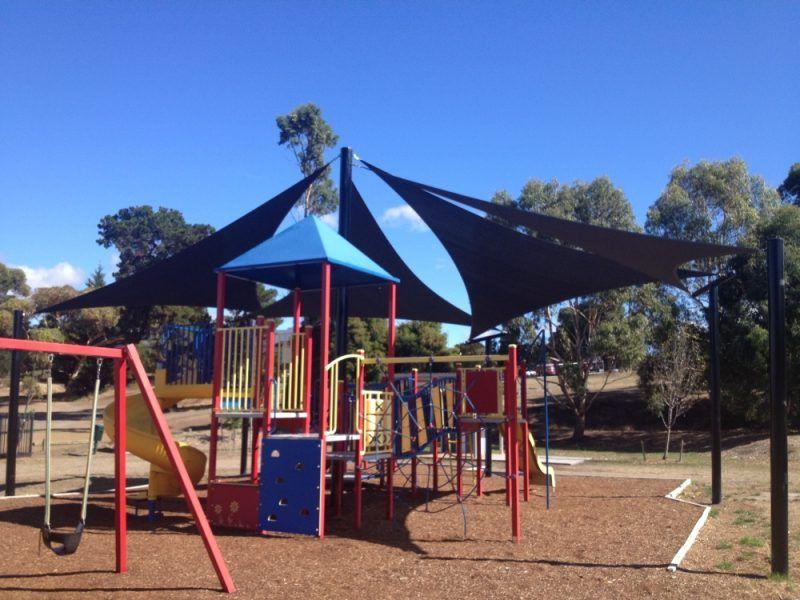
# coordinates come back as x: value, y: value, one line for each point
x: 62, y: 543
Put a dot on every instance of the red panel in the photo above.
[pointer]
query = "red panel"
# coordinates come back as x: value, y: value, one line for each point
x: 482, y: 388
x: 233, y: 505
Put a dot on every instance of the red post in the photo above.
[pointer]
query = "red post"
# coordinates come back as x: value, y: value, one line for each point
x: 171, y: 448
x: 324, y: 342
x: 120, y: 444
x: 216, y: 384
x: 512, y: 459
x: 307, y: 402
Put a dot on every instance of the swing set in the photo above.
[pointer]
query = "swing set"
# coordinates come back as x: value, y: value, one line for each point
x: 63, y: 543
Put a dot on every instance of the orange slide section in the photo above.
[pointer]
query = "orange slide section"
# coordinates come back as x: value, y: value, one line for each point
x: 144, y: 442
x: 536, y: 466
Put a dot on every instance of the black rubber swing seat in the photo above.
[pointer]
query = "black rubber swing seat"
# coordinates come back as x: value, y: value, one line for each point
x: 62, y: 543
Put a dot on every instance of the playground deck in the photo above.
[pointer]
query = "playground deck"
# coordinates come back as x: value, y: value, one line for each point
x: 612, y: 534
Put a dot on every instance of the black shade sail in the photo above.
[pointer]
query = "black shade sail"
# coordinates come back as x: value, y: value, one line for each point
x: 188, y: 278
x: 655, y: 256
x: 415, y: 300
x: 508, y: 273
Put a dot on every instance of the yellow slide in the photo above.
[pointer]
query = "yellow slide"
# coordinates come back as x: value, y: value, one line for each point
x: 535, y: 465
x: 144, y: 442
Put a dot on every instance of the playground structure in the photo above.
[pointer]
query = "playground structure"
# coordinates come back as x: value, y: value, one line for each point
x: 311, y: 432
x: 318, y: 424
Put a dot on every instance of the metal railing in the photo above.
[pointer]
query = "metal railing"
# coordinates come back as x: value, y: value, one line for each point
x: 187, y: 353
x: 25, y: 443
x: 333, y: 369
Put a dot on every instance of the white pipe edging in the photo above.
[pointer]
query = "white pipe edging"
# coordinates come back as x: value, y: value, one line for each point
x: 681, y: 554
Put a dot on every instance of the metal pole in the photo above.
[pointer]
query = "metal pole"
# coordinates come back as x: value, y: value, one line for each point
x: 779, y: 455
x: 543, y: 361
x: 245, y: 435
x: 12, y: 439
x: 345, y: 197
x: 716, y: 410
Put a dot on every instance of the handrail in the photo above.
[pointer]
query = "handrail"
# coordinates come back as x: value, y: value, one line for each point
x: 410, y: 360
x: 333, y: 388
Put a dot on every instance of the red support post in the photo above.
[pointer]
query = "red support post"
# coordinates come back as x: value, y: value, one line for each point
x: 120, y: 444
x: 171, y: 448
x: 216, y: 384
x: 512, y: 459
x: 255, y: 452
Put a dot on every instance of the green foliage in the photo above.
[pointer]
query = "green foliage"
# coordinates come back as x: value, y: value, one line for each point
x: 369, y: 335
x: 744, y: 321
x: 12, y: 281
x: 608, y: 325
x: 751, y: 542
x: 308, y: 135
x: 716, y: 202
x: 142, y: 237
x: 88, y: 326
x: 420, y: 338
x: 97, y: 279
x: 790, y: 188
x: 266, y: 296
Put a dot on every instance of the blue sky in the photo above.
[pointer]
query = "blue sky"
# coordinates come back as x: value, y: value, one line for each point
x: 107, y: 105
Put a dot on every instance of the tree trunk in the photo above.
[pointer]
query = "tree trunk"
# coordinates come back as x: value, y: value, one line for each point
x: 580, y: 426
x: 666, y: 446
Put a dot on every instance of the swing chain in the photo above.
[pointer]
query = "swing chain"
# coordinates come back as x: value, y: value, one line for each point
x: 99, y: 366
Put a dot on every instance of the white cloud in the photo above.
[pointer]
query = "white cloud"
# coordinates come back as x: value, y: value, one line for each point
x: 331, y: 219
x: 403, y: 214
x: 61, y: 274
x: 113, y: 261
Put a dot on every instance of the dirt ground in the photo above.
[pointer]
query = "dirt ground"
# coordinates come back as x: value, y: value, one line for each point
x: 610, y: 532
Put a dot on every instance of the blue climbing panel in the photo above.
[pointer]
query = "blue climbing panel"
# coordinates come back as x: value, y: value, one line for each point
x: 290, y: 491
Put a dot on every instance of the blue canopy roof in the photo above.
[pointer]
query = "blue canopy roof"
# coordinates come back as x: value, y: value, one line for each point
x: 293, y: 257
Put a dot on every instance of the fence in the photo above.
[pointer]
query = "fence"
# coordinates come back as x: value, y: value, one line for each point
x: 25, y: 446
x: 187, y: 353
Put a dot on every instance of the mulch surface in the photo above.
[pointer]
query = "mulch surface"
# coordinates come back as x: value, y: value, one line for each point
x: 602, y: 538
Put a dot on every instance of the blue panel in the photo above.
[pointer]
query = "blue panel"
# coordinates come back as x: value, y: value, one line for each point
x: 292, y: 258
x: 289, y: 498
